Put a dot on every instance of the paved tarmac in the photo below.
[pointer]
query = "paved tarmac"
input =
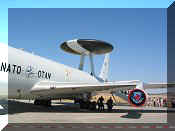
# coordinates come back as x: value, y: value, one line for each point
x: 26, y: 112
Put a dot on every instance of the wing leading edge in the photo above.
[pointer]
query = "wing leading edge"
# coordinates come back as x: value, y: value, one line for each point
x: 52, y: 87
x: 57, y: 88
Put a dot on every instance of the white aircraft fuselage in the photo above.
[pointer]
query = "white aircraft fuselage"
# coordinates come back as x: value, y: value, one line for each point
x: 29, y: 76
x: 26, y: 69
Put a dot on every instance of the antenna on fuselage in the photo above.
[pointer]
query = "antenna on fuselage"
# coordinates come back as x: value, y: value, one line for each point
x: 86, y: 47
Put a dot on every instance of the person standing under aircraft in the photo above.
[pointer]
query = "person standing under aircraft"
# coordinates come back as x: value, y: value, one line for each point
x: 110, y: 104
x: 154, y: 101
x: 100, y: 104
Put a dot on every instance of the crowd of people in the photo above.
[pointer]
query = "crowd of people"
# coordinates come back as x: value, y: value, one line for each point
x: 173, y: 102
x: 157, y: 102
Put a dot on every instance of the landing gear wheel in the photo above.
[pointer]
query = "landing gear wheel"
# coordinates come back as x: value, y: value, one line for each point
x: 46, y: 103
x: 36, y: 102
x: 84, y: 104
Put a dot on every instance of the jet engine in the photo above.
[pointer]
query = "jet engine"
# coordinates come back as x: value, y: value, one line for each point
x: 137, y: 97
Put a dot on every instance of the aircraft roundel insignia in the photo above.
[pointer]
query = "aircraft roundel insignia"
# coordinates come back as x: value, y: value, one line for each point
x: 137, y: 97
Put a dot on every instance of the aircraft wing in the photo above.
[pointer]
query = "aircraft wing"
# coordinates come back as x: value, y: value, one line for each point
x: 47, y: 87
x: 52, y: 87
x: 158, y: 85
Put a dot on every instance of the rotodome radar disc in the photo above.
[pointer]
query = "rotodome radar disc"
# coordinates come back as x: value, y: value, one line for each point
x: 86, y: 46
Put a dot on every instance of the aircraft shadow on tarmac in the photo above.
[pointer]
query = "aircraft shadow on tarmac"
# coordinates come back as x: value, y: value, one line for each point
x: 15, y: 107
x: 132, y: 115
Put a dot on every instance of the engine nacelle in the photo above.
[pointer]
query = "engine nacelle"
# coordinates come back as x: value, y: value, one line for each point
x: 137, y: 97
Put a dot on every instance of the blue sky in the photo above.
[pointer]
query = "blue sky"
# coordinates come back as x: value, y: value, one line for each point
x: 138, y: 37
x: 5, y: 4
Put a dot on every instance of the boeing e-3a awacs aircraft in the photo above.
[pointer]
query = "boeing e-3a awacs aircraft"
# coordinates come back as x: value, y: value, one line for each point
x: 32, y: 76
